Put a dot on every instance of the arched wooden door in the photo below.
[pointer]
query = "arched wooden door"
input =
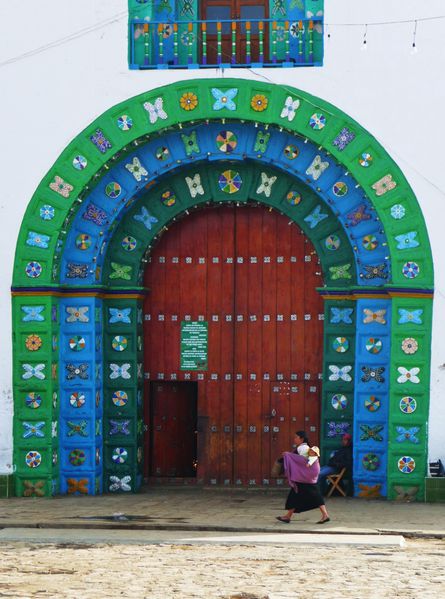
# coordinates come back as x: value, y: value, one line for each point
x: 252, y: 277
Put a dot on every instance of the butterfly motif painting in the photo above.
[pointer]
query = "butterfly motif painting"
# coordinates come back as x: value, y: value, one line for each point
x: 119, y: 315
x: 338, y: 373
x: 339, y: 315
x: 119, y: 427
x: 33, y: 371
x: 145, y: 218
x: 120, y: 371
x: 155, y: 110
x: 374, y: 316
x: 224, y: 99
x: 33, y: 313
x: 120, y: 484
x: 410, y: 316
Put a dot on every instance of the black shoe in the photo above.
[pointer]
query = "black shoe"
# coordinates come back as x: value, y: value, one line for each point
x: 283, y: 519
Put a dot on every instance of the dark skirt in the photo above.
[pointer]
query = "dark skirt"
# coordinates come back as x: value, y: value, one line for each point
x: 307, y: 498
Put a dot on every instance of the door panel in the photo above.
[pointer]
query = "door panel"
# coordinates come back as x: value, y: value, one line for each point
x: 252, y: 277
x: 173, y: 408
x: 223, y: 10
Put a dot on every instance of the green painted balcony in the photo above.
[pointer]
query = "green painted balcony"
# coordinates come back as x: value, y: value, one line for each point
x: 230, y: 34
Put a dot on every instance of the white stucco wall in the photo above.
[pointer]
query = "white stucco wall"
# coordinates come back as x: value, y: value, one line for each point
x: 46, y: 99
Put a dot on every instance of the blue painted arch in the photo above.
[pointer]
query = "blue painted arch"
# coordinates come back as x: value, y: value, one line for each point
x: 119, y: 188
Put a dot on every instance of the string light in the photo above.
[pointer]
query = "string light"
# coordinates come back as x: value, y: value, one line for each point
x: 364, y: 43
x: 414, y: 49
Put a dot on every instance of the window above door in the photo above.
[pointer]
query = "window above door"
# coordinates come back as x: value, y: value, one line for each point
x: 179, y: 34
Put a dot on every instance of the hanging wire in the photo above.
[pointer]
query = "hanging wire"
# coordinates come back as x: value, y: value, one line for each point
x: 121, y: 15
x: 64, y: 40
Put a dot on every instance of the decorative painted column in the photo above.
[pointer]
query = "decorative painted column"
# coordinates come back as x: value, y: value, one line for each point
x: 409, y: 388
x: 370, y: 439
x: 35, y: 379
x: 123, y: 394
x: 80, y: 378
x: 338, y: 376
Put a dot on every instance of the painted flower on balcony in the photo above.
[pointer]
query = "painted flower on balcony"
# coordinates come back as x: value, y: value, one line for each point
x: 224, y: 99
x: 290, y: 108
x: 156, y: 110
x: 294, y: 29
x: 33, y: 342
x: 188, y: 101
x: 259, y: 102
x: 410, y: 345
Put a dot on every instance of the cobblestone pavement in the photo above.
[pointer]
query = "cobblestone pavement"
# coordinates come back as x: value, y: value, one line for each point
x: 222, y: 572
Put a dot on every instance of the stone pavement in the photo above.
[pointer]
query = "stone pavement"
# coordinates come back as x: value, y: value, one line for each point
x: 202, y: 509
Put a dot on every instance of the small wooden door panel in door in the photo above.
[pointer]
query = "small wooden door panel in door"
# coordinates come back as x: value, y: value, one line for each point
x: 173, y: 429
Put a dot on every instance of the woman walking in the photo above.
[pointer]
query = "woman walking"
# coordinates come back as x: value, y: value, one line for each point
x: 302, y: 473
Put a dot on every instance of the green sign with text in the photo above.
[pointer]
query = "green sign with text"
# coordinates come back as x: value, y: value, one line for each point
x: 194, y: 345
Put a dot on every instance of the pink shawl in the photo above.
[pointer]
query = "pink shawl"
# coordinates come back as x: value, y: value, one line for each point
x: 297, y: 470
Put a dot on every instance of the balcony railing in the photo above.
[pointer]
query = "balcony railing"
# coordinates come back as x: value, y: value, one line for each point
x: 234, y: 43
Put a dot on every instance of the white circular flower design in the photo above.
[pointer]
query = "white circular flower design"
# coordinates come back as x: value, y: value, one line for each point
x: 410, y: 345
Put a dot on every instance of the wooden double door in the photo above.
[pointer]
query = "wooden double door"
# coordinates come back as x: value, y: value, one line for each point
x: 252, y: 277
x: 227, y: 11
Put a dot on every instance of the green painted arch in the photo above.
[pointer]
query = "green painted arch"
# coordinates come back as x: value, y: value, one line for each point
x: 125, y: 269
x: 70, y: 180
x: 291, y: 109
